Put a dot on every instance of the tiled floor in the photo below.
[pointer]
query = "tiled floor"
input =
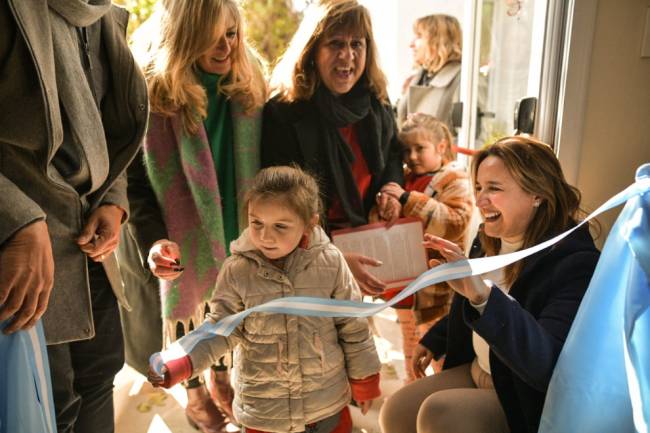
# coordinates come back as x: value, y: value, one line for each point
x: 139, y: 408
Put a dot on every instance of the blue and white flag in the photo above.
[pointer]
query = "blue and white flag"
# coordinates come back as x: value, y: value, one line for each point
x: 26, y: 404
x: 601, y: 383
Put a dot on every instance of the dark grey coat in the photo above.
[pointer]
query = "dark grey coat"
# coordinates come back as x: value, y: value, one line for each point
x: 30, y: 135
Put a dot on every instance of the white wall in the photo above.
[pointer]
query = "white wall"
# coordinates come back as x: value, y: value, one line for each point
x: 616, y: 128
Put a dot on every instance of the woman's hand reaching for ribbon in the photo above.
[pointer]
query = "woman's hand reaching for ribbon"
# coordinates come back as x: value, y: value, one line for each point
x: 473, y: 288
x: 165, y: 260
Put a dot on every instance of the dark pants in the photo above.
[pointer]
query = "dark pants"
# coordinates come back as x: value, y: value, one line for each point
x: 83, y: 371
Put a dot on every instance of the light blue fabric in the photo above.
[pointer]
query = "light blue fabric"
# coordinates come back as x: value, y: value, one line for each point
x: 601, y: 383
x: 26, y: 404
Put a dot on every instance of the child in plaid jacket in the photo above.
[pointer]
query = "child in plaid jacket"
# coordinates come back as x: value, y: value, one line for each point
x: 438, y: 192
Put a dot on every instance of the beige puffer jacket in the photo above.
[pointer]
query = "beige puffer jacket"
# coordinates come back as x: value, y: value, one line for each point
x: 289, y: 370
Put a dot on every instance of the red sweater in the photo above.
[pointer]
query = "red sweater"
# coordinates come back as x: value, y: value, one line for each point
x: 360, y: 172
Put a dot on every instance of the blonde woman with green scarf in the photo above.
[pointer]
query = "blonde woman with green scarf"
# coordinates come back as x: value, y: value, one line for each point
x: 200, y: 154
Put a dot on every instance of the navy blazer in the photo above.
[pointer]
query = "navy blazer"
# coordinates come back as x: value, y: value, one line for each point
x: 290, y: 134
x: 526, y: 330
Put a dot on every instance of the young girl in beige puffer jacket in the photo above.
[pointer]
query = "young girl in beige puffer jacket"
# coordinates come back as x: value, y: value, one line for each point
x: 291, y: 373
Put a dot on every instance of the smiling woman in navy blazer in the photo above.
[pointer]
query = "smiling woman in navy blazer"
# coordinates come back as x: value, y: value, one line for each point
x: 505, y: 329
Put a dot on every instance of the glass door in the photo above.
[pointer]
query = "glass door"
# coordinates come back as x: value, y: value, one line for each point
x: 502, y: 70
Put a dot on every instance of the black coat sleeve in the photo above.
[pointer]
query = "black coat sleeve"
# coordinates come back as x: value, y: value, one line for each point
x: 279, y: 143
x: 451, y: 337
x: 394, y: 171
x: 145, y: 221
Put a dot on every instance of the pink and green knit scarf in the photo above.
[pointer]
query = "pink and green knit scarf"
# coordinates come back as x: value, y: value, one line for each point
x: 182, y: 174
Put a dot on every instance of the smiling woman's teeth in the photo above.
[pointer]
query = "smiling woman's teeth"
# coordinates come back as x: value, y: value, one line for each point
x: 491, y: 216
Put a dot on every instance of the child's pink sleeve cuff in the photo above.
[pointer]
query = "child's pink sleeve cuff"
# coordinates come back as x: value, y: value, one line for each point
x: 177, y: 371
x: 366, y: 388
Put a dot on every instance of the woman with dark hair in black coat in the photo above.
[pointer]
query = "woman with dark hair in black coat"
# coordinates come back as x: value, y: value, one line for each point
x: 331, y: 116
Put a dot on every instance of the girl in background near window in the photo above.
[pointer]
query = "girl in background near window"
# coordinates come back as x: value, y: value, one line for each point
x: 436, y: 191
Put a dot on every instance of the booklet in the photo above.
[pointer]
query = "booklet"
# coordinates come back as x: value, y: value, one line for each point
x: 399, y: 248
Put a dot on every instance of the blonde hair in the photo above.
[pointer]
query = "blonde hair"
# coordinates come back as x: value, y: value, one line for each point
x: 444, y: 40
x: 432, y: 128
x: 291, y: 186
x: 169, y: 59
x: 295, y: 77
x: 536, y: 169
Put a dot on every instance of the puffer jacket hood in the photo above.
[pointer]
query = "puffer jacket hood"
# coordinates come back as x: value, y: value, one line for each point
x: 318, y: 241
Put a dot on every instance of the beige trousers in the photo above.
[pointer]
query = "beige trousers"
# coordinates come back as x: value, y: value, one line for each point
x: 458, y: 400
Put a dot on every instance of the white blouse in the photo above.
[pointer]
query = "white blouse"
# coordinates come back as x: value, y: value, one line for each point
x: 494, y: 278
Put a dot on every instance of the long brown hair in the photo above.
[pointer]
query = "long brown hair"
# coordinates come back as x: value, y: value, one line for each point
x: 444, y: 40
x: 169, y: 59
x: 536, y: 169
x: 295, y: 77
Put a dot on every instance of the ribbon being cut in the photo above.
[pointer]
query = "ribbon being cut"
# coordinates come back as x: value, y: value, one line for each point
x: 632, y: 333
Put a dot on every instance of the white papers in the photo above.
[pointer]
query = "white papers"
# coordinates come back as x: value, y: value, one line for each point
x: 399, y: 248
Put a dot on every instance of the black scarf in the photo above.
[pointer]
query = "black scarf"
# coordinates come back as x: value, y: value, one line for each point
x: 375, y: 128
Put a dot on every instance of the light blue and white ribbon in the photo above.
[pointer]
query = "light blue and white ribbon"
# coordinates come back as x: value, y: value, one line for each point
x: 321, y: 307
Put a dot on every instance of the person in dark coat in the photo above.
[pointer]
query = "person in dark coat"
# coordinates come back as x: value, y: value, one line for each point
x: 331, y: 116
x: 505, y: 329
x: 74, y: 110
